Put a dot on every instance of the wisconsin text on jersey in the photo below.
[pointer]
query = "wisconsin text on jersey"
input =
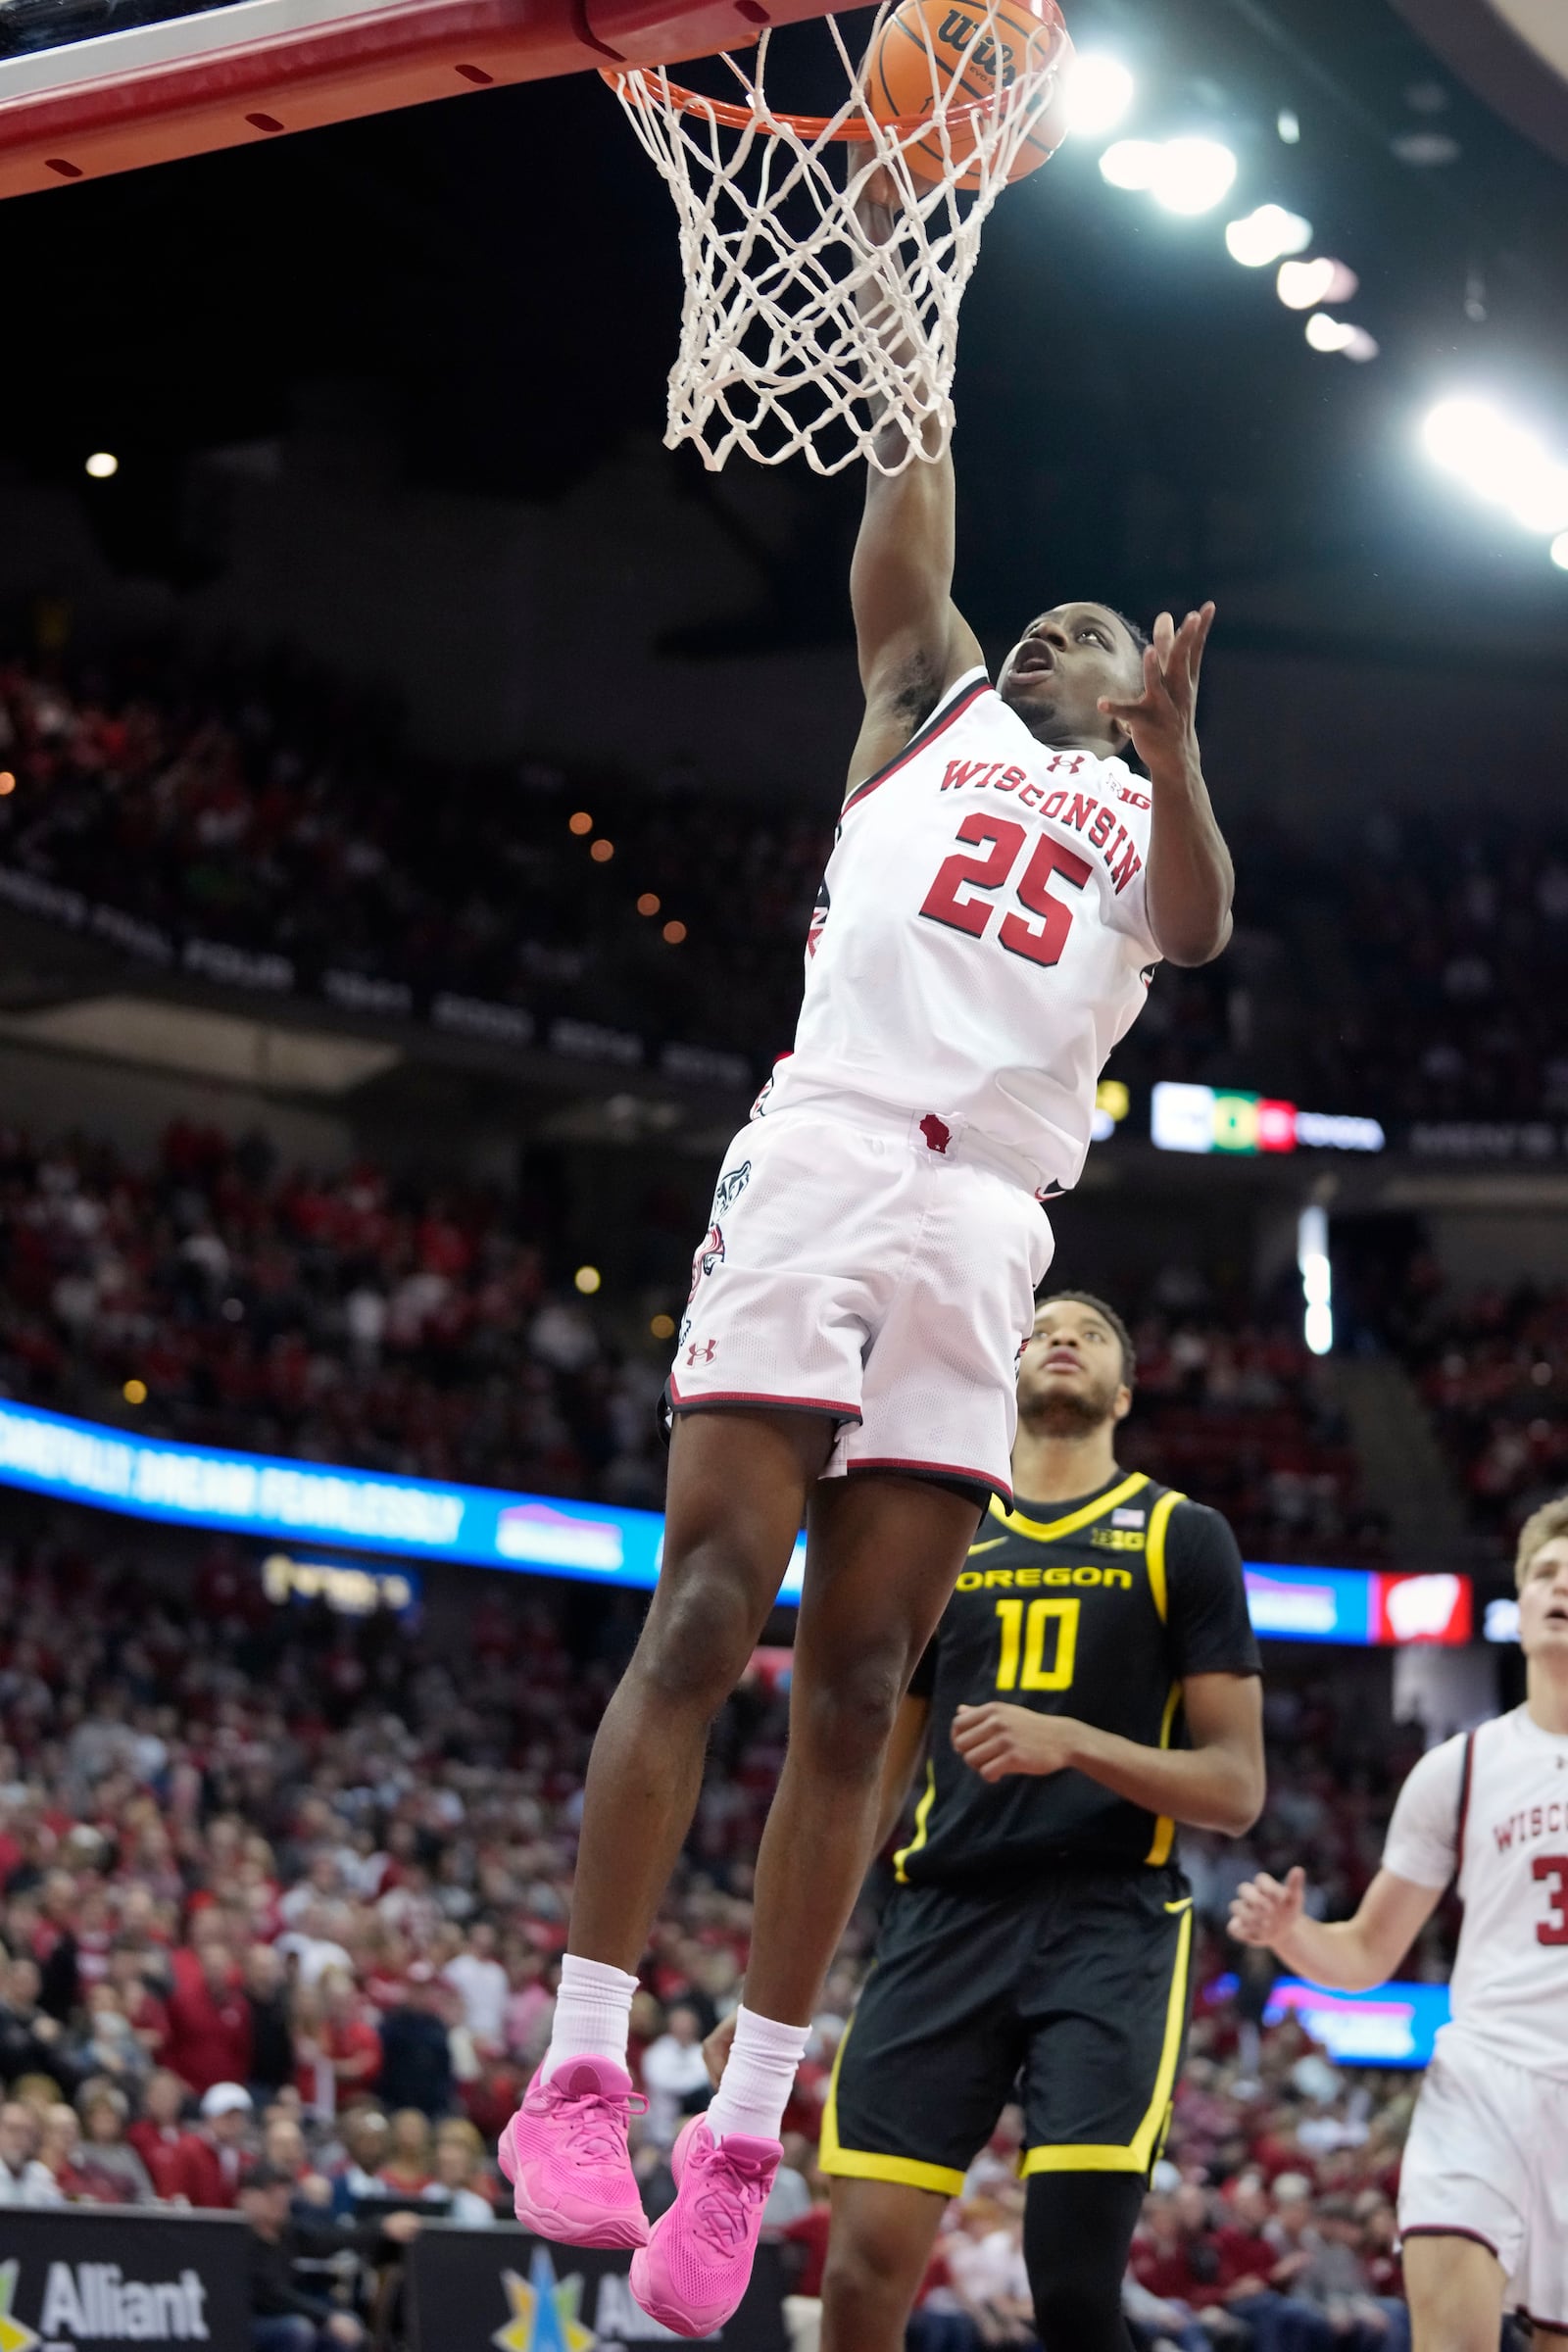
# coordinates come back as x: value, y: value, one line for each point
x: 1077, y: 809
x: 982, y: 940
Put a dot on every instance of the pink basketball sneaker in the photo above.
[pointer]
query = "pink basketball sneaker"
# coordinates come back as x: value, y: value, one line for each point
x: 696, y: 2263
x: 564, y: 2153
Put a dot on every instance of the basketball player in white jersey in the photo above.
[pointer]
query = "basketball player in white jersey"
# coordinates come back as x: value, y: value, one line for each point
x: 1001, y: 886
x: 1484, y: 2191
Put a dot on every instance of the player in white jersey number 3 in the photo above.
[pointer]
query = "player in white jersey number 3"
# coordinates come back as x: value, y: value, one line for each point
x: 1484, y: 2190
x: 1001, y: 882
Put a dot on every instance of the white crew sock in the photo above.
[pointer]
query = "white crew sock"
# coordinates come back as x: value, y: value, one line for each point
x: 759, y: 2076
x: 593, y: 2013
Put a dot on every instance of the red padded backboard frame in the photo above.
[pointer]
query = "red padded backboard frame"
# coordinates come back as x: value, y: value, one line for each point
x: 252, y: 71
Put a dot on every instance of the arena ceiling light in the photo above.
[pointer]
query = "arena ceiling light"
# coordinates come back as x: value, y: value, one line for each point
x: 1317, y: 1279
x: 1306, y: 285
x: 1130, y: 165
x: 1266, y: 235
x: 1100, y: 90
x: 1500, y: 460
x: 1559, y: 550
x: 1188, y: 175
x: 1192, y: 175
x: 103, y: 465
x: 1338, y: 334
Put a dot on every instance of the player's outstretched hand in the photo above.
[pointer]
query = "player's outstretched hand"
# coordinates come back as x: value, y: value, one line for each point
x: 1163, y: 720
x: 715, y: 2049
x: 997, y: 1740
x: 1263, y: 1910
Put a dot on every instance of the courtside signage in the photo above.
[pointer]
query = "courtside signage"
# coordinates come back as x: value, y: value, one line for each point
x: 485, y: 1527
x: 1395, y: 2024
x: 1360, y: 1607
x: 321, y: 1502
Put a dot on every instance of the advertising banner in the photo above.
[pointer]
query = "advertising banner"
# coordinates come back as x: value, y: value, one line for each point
x: 501, y: 2290
x: 74, y: 2279
x: 326, y: 1503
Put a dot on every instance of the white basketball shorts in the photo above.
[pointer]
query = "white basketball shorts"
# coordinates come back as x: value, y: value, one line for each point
x: 879, y: 1268
x: 1485, y: 2159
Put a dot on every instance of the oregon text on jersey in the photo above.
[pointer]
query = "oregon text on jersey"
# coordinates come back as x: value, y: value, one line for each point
x: 1040, y: 1621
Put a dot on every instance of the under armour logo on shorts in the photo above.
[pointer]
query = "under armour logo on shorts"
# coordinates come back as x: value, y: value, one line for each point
x: 707, y: 1350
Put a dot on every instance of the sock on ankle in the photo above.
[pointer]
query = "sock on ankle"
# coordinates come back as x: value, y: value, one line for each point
x: 759, y: 2076
x: 593, y: 2013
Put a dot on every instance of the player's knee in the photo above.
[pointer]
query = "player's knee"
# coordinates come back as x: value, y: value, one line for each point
x: 865, y: 2285
x: 695, y: 1645
x: 846, y: 1714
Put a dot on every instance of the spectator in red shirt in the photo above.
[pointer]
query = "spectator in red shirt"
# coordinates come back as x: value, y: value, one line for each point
x: 225, y: 2141
x: 209, y: 2035
x: 176, y: 2157
x: 1252, y: 2278
x: 337, y: 2049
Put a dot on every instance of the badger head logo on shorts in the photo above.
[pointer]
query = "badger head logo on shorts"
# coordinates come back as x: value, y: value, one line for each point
x: 730, y: 1186
x: 708, y: 1254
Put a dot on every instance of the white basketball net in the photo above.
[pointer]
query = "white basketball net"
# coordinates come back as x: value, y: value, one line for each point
x: 798, y: 332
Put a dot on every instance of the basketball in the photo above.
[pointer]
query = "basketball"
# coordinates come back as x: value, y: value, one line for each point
x: 926, y: 46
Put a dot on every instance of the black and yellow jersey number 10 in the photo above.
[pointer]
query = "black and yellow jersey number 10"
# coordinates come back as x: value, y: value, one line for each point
x: 1039, y: 1645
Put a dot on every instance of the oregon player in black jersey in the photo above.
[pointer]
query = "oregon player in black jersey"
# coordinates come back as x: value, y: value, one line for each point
x: 1092, y: 1683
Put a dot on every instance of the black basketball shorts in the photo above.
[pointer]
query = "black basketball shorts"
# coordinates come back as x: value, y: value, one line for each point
x: 1073, y: 1999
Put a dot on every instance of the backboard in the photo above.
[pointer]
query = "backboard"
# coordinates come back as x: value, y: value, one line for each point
x: 89, y: 87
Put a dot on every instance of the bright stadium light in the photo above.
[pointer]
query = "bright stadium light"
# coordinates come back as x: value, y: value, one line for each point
x: 1317, y: 1279
x: 1559, y: 550
x: 102, y: 465
x: 1304, y: 286
x: 1543, y: 503
x: 1500, y: 460
x: 1192, y: 176
x: 1267, y: 235
x: 1100, y: 90
x: 1130, y: 165
x: 1339, y: 334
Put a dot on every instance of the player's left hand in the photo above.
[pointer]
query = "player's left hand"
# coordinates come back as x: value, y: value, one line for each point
x: 997, y: 1740
x: 1161, y: 720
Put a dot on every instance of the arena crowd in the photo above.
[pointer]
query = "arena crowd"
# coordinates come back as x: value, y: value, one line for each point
x: 282, y: 1896
x: 263, y: 805
x: 433, y: 1329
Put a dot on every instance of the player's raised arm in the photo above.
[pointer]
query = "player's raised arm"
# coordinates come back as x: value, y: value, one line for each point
x: 1348, y: 1955
x: 1190, y: 880
x: 912, y: 640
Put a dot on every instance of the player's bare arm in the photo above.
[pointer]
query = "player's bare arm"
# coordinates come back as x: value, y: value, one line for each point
x: 912, y: 640
x: 1191, y: 880
x: 1217, y: 1783
x: 1349, y: 1955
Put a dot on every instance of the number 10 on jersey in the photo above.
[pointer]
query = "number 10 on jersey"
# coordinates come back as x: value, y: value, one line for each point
x: 1028, y: 1631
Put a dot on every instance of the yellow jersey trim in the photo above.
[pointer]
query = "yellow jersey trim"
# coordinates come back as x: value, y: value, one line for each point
x: 1137, y: 2156
x: 922, y: 1821
x: 1040, y: 1531
x: 1164, y: 1837
x: 1154, y: 1548
x: 863, y: 2164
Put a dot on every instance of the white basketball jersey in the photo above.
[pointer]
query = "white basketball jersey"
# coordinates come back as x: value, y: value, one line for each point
x: 1502, y: 1823
x: 981, y: 941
